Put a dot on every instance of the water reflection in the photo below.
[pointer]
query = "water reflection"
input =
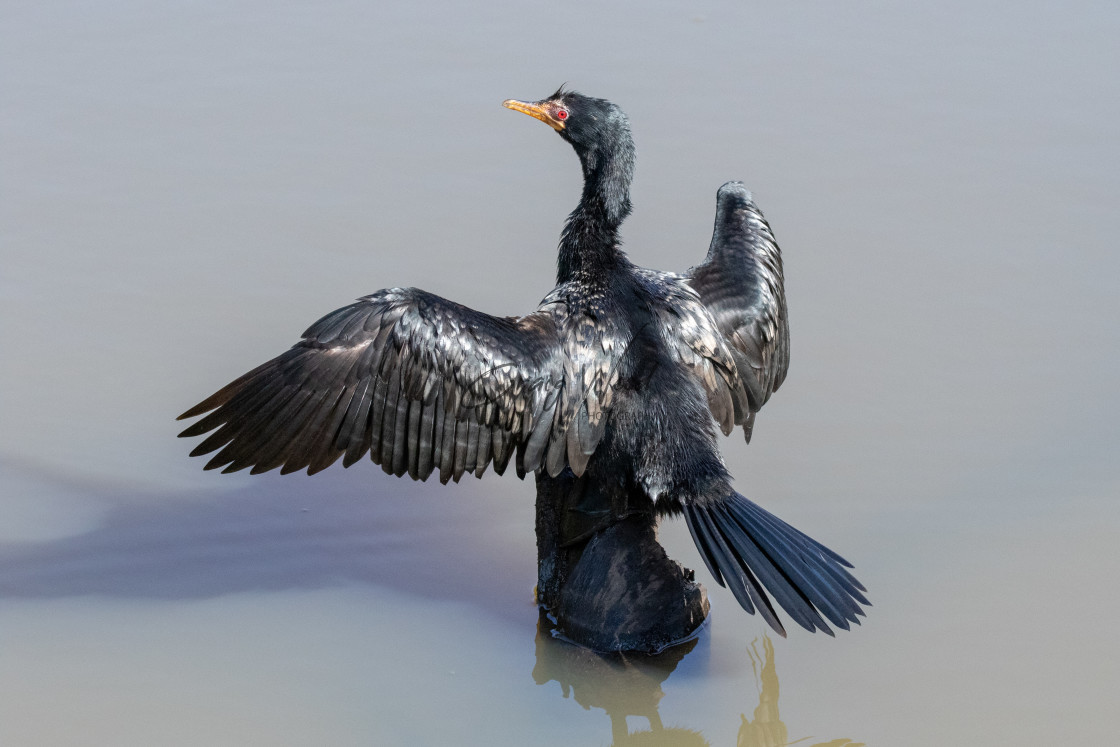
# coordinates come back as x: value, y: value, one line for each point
x: 767, y: 729
x: 631, y: 685
x: 277, y: 535
x: 622, y: 685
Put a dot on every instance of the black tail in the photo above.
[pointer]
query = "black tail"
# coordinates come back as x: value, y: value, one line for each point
x: 751, y: 549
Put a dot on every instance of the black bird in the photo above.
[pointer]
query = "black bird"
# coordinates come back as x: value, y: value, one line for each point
x: 622, y: 373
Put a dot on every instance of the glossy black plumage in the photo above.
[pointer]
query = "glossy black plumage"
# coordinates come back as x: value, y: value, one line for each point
x: 622, y: 373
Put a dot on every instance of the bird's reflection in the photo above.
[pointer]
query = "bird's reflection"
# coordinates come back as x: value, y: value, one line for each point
x: 621, y: 684
x: 630, y: 685
x: 767, y: 728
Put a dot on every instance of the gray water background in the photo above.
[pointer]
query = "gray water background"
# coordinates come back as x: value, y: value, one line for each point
x: 185, y: 187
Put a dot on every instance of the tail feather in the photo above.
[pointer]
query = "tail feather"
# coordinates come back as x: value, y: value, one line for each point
x: 790, y: 586
x: 804, y: 544
x: 803, y: 575
x: 720, y: 560
x: 753, y: 552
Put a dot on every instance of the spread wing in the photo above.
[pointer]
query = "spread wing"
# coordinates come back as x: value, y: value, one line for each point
x: 740, y: 282
x: 699, y: 345
x: 416, y: 381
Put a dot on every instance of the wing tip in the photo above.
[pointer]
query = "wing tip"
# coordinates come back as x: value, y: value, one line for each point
x: 200, y: 409
x: 734, y: 188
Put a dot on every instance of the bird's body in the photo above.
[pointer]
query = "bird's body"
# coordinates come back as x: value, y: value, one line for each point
x: 622, y: 374
x: 660, y: 433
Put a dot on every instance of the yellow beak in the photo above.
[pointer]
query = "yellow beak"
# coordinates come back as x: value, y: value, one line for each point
x: 536, y: 111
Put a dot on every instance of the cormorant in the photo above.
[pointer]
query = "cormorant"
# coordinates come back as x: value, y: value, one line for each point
x: 622, y: 373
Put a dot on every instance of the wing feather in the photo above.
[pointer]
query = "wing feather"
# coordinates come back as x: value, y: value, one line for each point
x: 700, y: 347
x: 741, y: 284
x: 319, y: 446
x: 424, y: 462
x: 417, y: 382
x: 356, y: 423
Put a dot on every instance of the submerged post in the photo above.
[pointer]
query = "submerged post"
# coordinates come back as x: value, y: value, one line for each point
x: 603, y: 576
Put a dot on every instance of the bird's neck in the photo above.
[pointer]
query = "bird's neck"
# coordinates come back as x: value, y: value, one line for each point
x: 589, y: 249
x: 589, y: 244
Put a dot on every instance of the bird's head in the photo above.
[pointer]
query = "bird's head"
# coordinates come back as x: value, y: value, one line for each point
x: 583, y: 121
x: 600, y: 134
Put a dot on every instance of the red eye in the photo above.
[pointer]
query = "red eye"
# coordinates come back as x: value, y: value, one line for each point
x: 561, y: 114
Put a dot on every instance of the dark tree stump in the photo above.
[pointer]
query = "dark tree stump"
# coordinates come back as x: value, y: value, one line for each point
x: 603, y: 576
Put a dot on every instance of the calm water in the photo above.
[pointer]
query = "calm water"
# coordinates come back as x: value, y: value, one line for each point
x: 186, y: 186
